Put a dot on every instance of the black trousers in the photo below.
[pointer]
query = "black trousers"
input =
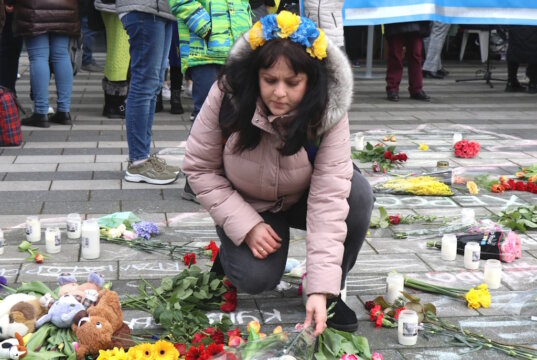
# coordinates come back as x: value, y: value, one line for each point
x: 10, y: 50
x: 253, y: 276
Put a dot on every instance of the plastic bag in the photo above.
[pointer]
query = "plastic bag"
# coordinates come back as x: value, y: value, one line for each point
x: 114, y: 220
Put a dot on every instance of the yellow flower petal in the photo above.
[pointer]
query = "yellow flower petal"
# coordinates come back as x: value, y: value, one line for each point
x: 288, y: 23
x: 164, y: 350
x: 255, y: 37
x: 472, y: 187
x: 318, y: 49
x: 424, y: 147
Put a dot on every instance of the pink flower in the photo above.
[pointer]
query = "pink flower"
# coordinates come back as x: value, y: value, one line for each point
x: 129, y: 235
x: 377, y: 356
x: 348, y: 357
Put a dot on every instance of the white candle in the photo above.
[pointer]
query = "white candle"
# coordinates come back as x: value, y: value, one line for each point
x: 493, y: 273
x: 74, y: 224
x: 407, y: 327
x: 457, y: 137
x: 395, y: 283
x: 91, y: 245
x: 449, y: 247
x: 53, y: 240
x: 358, y: 142
x: 467, y: 217
x: 33, y: 229
x: 472, y: 254
x: 2, y: 242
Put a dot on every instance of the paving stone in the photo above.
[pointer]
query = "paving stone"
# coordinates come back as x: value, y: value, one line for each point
x: 81, y: 207
x: 145, y: 194
x: 49, y: 272
x: 90, y: 167
x: 151, y: 269
x: 61, y: 145
x: 383, y: 264
x: 108, y: 175
x: 85, y: 185
x: 28, y: 176
x: 14, y: 208
x: 30, y: 152
x: 7, y: 159
x: 10, y: 272
x: 415, y: 202
x: 55, y: 159
x: 91, y: 151
x: 449, y: 354
x: 38, y: 196
x: 45, y: 136
x: 152, y: 206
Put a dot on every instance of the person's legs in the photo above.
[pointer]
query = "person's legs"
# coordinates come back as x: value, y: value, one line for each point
x: 87, y: 40
x: 38, y: 52
x: 394, y: 63
x: 176, y: 76
x: 513, y: 85
x: 63, y: 71
x: 10, y: 50
x: 248, y: 273
x: 531, y: 72
x: 433, y: 47
x: 203, y: 77
x: 413, y: 43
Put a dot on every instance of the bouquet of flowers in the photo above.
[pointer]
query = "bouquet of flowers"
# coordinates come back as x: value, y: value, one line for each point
x: 431, y: 184
x: 382, y: 157
x: 466, y: 149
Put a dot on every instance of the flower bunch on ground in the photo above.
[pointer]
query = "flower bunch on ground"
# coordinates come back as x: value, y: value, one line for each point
x: 466, y: 149
x: 528, y: 173
x: 382, y: 157
x: 161, y: 350
x: 417, y: 185
x: 519, y: 218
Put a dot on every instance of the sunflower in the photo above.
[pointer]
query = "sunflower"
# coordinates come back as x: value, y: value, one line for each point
x: 164, y: 350
x: 145, y: 351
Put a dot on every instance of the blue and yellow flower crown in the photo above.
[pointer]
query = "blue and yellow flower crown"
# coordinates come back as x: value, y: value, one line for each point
x: 298, y: 29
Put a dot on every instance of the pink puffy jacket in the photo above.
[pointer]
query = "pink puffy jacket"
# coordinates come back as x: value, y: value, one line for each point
x: 236, y: 186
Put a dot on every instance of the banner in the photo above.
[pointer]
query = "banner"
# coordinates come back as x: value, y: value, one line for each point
x: 491, y: 12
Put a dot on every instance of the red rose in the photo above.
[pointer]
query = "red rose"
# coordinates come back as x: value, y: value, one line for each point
x: 388, y: 155
x: 189, y: 259
x: 194, y: 353
x: 234, y: 332
x: 228, y: 307
x: 395, y: 219
x: 215, y: 334
x: 211, y: 350
x: 520, y: 186
x: 369, y: 305
x: 374, y: 312
x: 378, y: 322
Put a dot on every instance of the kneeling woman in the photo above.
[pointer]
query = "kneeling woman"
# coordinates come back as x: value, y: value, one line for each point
x: 270, y: 150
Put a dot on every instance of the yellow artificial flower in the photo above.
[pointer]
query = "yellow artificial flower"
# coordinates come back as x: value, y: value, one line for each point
x: 482, y: 287
x: 472, y: 187
x: 484, y: 298
x: 318, y: 49
x: 132, y: 354
x: 164, y: 350
x: 423, y: 147
x: 288, y: 23
x: 114, y: 354
x: 472, y: 297
x: 256, y: 36
x: 145, y: 351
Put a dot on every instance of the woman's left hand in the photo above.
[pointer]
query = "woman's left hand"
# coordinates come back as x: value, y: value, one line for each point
x: 316, y: 310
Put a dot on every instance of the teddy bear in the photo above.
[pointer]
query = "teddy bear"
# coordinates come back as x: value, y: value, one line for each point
x: 19, y: 313
x: 60, y: 312
x: 101, y: 327
x: 69, y: 285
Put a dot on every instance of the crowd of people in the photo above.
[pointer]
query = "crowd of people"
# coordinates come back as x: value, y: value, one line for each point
x: 269, y: 144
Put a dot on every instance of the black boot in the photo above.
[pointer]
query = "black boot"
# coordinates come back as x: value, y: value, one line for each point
x: 514, y: 86
x: 188, y: 194
x: 61, y: 117
x: 344, y: 318
x: 37, y: 120
x: 175, y: 101
x: 532, y: 88
x: 114, y: 106
x: 159, y: 106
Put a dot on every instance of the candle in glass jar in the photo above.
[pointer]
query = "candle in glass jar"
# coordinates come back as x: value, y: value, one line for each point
x: 2, y: 242
x: 74, y: 224
x: 493, y: 273
x: 457, y: 137
x: 449, y: 247
x: 472, y: 254
x: 53, y: 238
x: 395, y: 283
x: 90, y: 239
x: 358, y: 142
x: 407, y: 327
x: 33, y: 229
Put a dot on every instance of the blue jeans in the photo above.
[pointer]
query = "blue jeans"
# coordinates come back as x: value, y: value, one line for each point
x: 203, y: 77
x: 149, y: 40
x: 88, y: 36
x: 40, y: 49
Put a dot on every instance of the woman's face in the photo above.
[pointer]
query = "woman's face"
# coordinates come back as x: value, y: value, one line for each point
x: 281, y: 88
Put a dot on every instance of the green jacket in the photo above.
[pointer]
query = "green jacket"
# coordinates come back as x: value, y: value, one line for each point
x: 208, y: 29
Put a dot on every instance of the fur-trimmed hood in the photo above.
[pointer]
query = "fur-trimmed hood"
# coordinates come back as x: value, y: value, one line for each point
x: 340, y: 80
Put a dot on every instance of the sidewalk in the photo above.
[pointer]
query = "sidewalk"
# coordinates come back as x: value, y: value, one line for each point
x: 79, y: 168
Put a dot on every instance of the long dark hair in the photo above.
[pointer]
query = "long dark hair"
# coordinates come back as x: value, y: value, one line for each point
x: 240, y: 82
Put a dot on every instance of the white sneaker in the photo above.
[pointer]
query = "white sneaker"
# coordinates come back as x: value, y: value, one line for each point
x: 188, y: 89
x: 50, y: 110
x: 166, y: 93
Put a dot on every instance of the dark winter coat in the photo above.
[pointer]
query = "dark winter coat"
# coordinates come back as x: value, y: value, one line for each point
x: 37, y: 17
x: 2, y: 16
x: 421, y: 27
x: 522, y: 44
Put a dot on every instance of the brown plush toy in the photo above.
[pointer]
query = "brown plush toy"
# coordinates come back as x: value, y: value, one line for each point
x: 102, y: 327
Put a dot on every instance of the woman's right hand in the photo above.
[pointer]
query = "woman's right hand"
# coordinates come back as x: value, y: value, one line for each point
x: 263, y: 240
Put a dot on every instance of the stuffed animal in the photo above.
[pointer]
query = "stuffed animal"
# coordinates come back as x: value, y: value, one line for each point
x: 13, y: 348
x: 19, y: 313
x: 69, y: 285
x: 62, y: 311
x: 102, y: 328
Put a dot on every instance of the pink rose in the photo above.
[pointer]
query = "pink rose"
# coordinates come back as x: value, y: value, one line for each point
x: 377, y: 356
x: 348, y: 357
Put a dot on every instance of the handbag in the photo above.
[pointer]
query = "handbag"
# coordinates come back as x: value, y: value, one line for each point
x: 10, y: 126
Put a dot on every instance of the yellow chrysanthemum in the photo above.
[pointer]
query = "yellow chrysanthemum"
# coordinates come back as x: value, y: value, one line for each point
x: 164, y: 350
x: 256, y: 36
x: 288, y: 23
x: 482, y: 287
x: 484, y: 298
x: 318, y: 49
x: 472, y: 297
x: 423, y: 147
x: 132, y: 354
x: 472, y: 187
x: 145, y: 351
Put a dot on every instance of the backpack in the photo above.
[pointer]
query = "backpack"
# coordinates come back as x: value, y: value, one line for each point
x: 75, y: 52
x: 10, y: 126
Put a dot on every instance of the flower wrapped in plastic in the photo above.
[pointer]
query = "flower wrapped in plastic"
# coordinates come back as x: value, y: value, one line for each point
x: 422, y: 185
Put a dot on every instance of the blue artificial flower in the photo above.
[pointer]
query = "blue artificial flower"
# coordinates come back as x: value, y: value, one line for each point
x: 3, y: 281
x: 306, y: 33
x: 145, y: 229
x: 270, y: 27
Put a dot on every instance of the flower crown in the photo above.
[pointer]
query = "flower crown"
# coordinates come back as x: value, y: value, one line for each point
x: 298, y: 29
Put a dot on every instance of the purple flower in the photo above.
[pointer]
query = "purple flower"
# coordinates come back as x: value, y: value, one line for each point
x: 145, y: 229
x: 3, y: 281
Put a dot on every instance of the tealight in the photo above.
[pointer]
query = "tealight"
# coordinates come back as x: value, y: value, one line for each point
x: 395, y: 283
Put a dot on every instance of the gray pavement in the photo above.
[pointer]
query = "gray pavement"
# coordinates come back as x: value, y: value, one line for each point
x: 79, y: 168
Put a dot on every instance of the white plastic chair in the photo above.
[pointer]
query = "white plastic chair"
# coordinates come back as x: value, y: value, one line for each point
x: 483, y: 43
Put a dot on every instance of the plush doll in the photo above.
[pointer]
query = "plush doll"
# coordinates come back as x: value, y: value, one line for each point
x: 62, y: 312
x: 19, y: 313
x: 13, y: 348
x: 102, y: 328
x: 69, y: 285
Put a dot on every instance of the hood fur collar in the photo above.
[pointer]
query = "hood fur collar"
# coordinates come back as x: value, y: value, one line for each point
x: 340, y: 80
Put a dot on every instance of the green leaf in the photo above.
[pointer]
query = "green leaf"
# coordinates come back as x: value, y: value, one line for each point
x: 35, y: 287
x: 368, y: 146
x: 167, y: 284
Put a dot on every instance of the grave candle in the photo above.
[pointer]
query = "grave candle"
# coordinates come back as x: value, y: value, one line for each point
x: 457, y: 137
x: 74, y: 224
x: 358, y: 142
x: 2, y: 242
x: 407, y: 327
x: 449, y: 247
x: 472, y: 253
x: 493, y: 273
x: 33, y: 229
x: 90, y: 239
x: 53, y: 240
x: 395, y: 283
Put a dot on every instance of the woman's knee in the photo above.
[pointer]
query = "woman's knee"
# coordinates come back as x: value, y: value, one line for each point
x: 255, y: 282
x: 361, y: 193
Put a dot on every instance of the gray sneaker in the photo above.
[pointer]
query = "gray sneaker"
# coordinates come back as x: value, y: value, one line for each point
x: 92, y: 67
x: 153, y: 171
x: 175, y: 169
